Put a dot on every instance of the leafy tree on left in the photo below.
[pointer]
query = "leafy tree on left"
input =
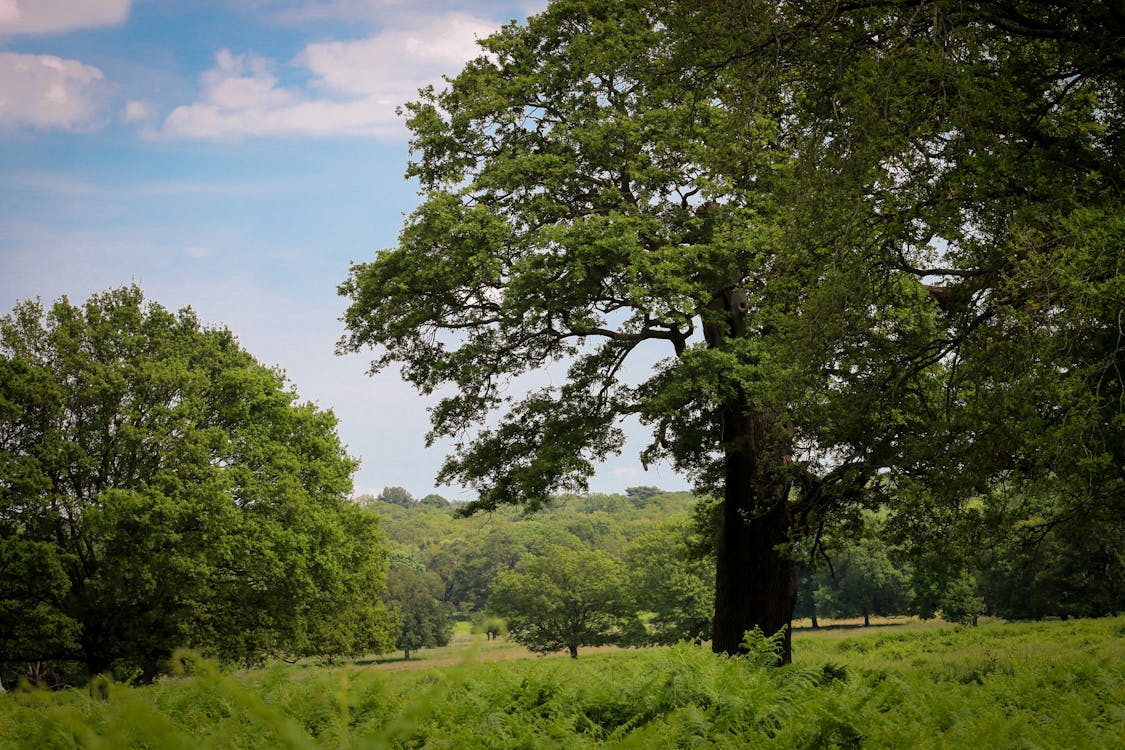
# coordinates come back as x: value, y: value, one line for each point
x: 171, y: 491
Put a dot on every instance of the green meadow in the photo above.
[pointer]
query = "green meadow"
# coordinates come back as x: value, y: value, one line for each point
x: 1054, y: 684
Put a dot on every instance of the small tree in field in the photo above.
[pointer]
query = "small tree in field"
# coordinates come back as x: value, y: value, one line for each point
x: 564, y: 599
x: 416, y: 594
x: 494, y: 627
x: 961, y: 602
x: 862, y: 580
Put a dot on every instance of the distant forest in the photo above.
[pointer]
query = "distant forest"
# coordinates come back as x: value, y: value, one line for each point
x: 993, y: 563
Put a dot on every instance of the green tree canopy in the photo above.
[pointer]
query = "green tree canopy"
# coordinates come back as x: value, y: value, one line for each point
x: 1041, y: 563
x: 416, y: 596
x: 977, y: 148
x: 34, y: 624
x: 862, y: 234
x: 566, y: 598
x: 396, y: 496
x: 638, y: 495
x: 171, y: 491
x: 470, y: 565
x: 1023, y: 549
x: 863, y: 580
x: 673, y: 582
x: 434, y: 500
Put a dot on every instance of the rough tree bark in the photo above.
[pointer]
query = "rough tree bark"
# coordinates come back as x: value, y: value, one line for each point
x: 755, y: 579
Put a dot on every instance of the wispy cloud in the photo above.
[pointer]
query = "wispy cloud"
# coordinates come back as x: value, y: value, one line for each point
x: 61, y: 184
x: 45, y: 91
x: 137, y: 111
x: 57, y: 16
x: 47, y: 182
x: 355, y: 86
x: 395, y: 11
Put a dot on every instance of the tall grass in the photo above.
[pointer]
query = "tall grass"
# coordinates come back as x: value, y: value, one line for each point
x: 1044, y: 685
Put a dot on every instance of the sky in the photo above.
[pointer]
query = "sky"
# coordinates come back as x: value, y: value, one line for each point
x: 235, y: 156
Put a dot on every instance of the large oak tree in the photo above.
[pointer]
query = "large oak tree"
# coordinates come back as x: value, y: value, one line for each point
x: 839, y: 220
x: 977, y: 147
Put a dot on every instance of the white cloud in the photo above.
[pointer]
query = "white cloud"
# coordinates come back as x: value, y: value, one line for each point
x: 397, y: 61
x: 9, y: 12
x: 49, y: 92
x: 137, y: 111
x: 356, y: 85
x: 243, y: 82
x: 55, y: 16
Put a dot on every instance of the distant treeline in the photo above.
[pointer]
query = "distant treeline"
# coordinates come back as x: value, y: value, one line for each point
x: 903, y: 559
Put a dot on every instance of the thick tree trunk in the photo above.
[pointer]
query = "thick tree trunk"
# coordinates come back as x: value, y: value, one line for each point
x: 755, y: 582
x: 94, y: 652
x: 755, y: 579
x: 573, y: 652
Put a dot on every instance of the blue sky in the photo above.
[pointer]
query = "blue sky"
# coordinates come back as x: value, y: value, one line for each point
x: 235, y: 156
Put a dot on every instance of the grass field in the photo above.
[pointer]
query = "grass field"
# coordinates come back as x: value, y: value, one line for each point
x: 895, y: 685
